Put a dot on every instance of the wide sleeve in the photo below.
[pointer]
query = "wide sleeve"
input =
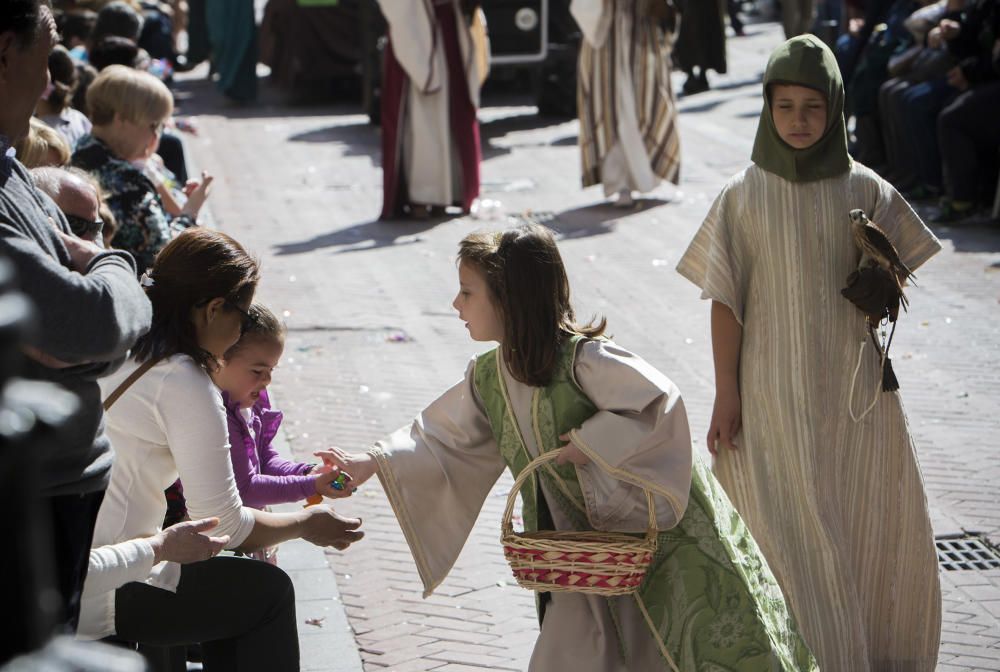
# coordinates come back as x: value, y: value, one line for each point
x: 111, y: 567
x: 414, y: 39
x: 594, y: 18
x: 912, y: 239
x: 716, y: 260
x: 192, y: 416
x: 437, y: 474
x: 638, y: 440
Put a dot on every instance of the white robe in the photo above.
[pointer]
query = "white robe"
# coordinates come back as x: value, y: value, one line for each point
x: 431, y: 164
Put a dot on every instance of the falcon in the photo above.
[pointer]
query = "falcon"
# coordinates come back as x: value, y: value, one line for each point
x: 876, y: 287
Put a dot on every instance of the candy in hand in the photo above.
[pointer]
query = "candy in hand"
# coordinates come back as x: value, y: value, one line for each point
x: 340, y: 482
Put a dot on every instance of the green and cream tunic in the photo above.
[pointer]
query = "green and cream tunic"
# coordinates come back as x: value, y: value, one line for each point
x: 710, y: 601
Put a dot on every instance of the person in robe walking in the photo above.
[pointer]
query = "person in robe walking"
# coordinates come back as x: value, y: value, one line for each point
x: 814, y: 453
x: 619, y: 428
x: 628, y: 117
x: 436, y: 60
x: 701, y: 43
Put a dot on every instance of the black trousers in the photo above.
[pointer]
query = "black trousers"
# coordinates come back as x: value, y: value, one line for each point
x: 969, y: 136
x: 171, y: 150
x: 73, y: 518
x: 242, y: 611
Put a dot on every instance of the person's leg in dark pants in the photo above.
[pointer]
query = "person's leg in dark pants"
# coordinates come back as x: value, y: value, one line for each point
x: 968, y: 128
x: 73, y: 518
x: 733, y: 7
x: 921, y: 104
x: 241, y: 610
x: 171, y: 150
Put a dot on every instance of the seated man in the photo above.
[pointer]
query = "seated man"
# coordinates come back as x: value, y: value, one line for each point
x: 89, y: 307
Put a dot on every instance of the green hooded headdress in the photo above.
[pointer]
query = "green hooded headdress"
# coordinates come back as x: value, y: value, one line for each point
x: 804, y: 61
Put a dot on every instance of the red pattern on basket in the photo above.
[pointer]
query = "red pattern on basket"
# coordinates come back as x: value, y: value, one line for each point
x: 564, y: 578
x: 576, y: 574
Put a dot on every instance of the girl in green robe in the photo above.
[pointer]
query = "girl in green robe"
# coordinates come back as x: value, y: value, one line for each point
x: 709, y: 601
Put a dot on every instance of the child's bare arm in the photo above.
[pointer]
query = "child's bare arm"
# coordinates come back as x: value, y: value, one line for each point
x: 727, y: 340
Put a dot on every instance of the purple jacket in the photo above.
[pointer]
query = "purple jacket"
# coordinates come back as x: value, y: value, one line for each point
x: 262, y: 476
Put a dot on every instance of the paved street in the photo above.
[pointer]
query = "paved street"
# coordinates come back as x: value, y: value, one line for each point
x: 373, y: 338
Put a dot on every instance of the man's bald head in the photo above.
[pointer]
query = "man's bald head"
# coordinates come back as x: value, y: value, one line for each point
x: 73, y: 190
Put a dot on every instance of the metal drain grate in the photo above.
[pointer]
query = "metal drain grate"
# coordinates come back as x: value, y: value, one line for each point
x: 966, y: 552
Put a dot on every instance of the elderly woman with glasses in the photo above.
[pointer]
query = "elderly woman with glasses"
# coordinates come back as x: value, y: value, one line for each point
x: 129, y: 109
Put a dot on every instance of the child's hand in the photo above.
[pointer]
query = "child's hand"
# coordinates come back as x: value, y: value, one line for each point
x: 727, y: 420
x: 361, y: 466
x: 570, y: 453
x: 325, y: 483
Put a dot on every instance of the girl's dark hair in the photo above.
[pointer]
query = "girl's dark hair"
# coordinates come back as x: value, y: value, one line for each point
x: 77, y: 24
x: 263, y: 326
x: 86, y: 74
x: 528, y: 284
x: 195, y: 267
x: 62, y: 69
x: 114, y: 50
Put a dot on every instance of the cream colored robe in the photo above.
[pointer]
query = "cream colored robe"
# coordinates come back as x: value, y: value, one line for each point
x: 837, y: 507
x: 432, y: 168
x: 628, y: 117
x: 438, y: 472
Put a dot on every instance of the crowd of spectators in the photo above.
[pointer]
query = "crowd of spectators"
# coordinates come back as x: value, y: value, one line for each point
x: 136, y: 305
x: 923, y: 88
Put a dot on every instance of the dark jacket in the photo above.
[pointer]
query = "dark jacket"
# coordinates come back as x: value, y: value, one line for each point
x: 88, y: 320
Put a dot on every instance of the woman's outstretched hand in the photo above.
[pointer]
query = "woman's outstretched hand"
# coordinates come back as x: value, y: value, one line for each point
x: 360, y: 466
x: 326, y: 527
x: 726, y: 422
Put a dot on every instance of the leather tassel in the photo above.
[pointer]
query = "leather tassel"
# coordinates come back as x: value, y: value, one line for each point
x: 889, y: 382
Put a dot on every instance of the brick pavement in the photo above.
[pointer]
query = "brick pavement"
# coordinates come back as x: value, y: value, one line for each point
x: 373, y: 337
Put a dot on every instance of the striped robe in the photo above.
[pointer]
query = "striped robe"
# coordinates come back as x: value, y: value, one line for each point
x: 837, y: 506
x: 628, y: 117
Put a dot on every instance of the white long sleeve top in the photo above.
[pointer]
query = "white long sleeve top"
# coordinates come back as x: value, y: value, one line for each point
x: 171, y: 422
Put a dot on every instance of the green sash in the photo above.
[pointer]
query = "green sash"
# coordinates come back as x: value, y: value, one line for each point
x: 710, y: 597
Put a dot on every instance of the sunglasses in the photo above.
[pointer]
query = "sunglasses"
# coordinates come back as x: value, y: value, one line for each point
x: 247, y: 321
x: 83, y: 227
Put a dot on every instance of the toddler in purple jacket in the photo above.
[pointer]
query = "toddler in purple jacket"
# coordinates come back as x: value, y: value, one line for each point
x: 262, y: 476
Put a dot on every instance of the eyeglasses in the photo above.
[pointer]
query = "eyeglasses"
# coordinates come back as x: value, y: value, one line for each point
x: 157, y: 128
x: 248, y: 320
x: 83, y: 227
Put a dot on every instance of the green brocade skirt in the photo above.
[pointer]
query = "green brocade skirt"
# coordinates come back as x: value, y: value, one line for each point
x: 711, y: 597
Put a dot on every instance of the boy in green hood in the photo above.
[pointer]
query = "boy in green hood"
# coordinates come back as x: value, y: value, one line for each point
x: 833, y: 495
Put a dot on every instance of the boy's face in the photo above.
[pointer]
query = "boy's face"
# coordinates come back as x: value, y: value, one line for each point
x: 799, y: 114
x: 248, y: 372
x: 474, y: 304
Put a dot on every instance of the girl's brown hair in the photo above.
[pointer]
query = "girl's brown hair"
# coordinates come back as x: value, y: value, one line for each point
x: 195, y: 267
x: 263, y: 326
x: 528, y: 284
x: 62, y: 71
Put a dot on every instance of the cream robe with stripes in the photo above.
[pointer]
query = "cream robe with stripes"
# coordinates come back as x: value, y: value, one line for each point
x: 628, y: 117
x: 837, y: 507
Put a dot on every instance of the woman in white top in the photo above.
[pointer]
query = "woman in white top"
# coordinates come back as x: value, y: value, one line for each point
x: 165, y: 420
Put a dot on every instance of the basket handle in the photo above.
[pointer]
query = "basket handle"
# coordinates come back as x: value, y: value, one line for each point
x: 507, y: 527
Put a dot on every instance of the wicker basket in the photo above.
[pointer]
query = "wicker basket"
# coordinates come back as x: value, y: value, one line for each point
x: 599, y: 563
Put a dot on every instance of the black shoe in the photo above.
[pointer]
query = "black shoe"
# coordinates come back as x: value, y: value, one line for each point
x: 695, y: 85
